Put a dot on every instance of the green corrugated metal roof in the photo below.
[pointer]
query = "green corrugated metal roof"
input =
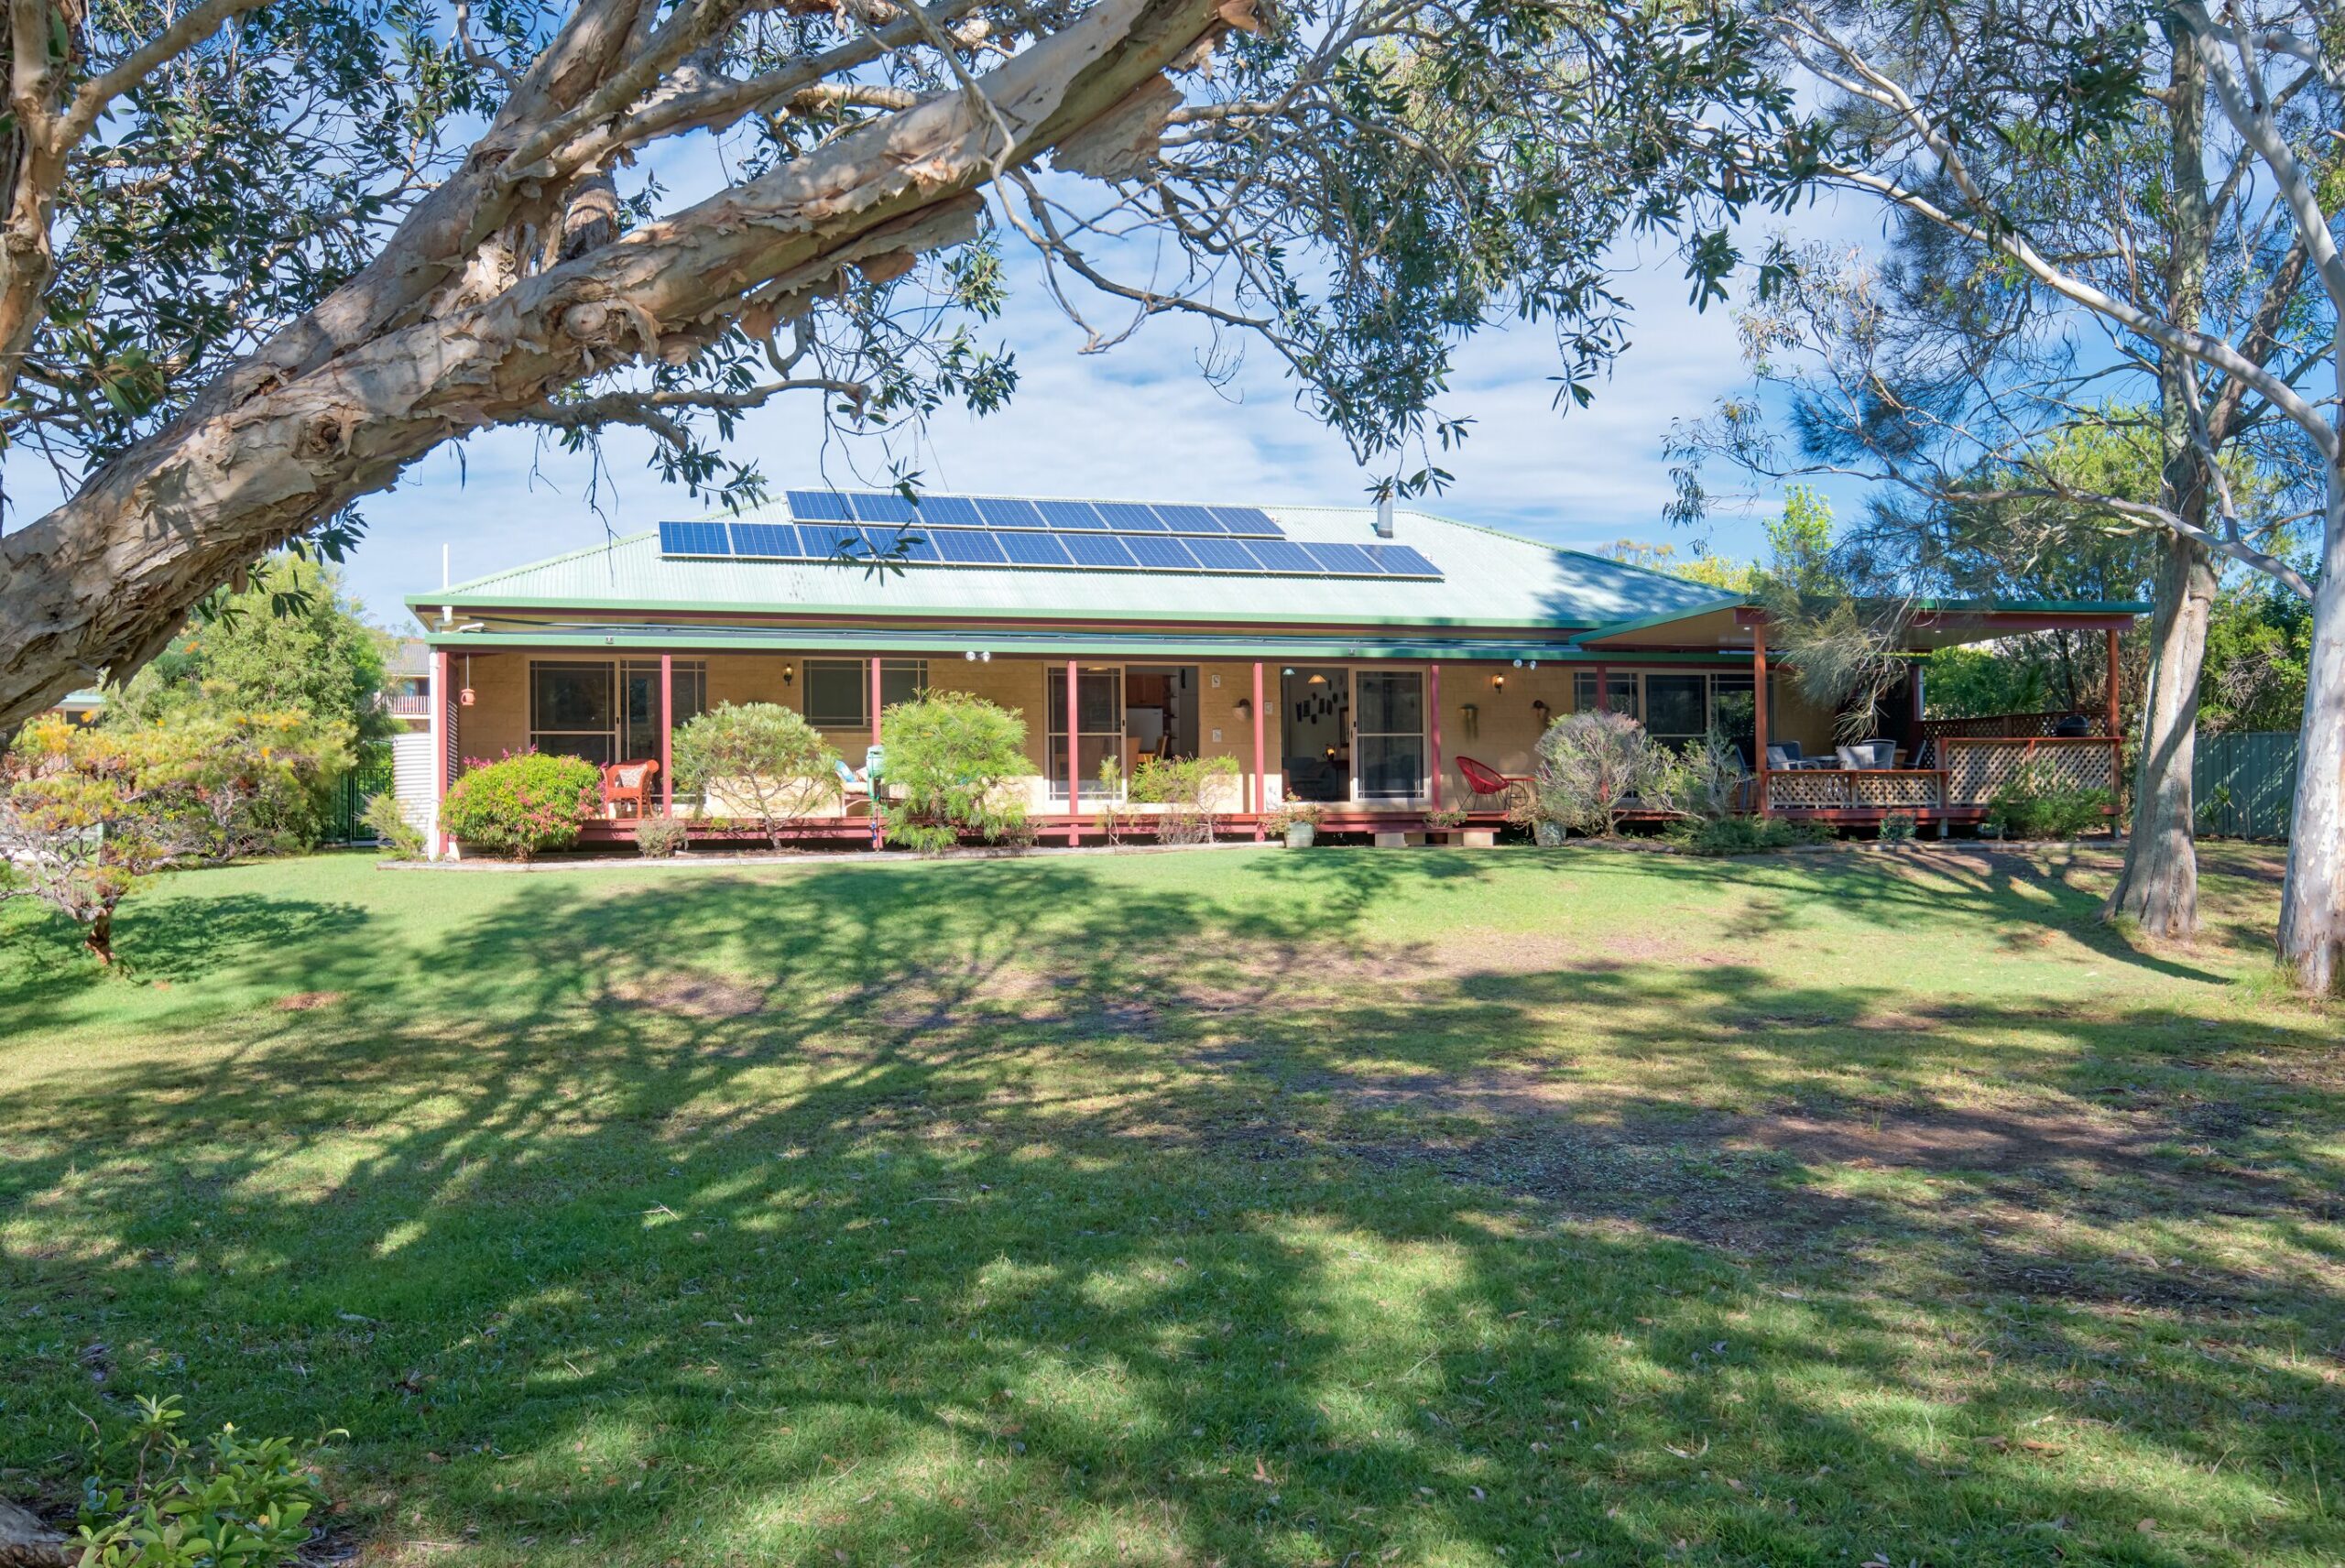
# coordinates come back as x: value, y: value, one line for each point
x: 1489, y: 579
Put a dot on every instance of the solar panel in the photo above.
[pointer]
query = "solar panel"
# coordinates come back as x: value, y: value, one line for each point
x: 820, y: 541
x: 950, y: 512
x: 910, y: 543
x: 1069, y: 515
x: 1034, y: 550
x: 1252, y: 522
x: 967, y: 546
x: 770, y: 542
x: 1223, y: 555
x: 1190, y: 520
x: 875, y: 507
x: 1129, y: 517
x: 1345, y: 558
x: 1098, y: 550
x: 1284, y: 556
x: 1162, y: 554
x: 823, y: 506
x: 694, y: 538
x: 1008, y: 512
x: 1400, y: 561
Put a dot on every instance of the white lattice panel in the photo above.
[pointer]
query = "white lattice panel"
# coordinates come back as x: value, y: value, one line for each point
x: 1974, y: 772
x: 1894, y: 790
x: 1810, y: 787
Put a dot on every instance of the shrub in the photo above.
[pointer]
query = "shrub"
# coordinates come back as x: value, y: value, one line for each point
x: 1293, y: 812
x: 1593, y: 765
x: 658, y: 838
x: 154, y: 1500
x: 762, y: 756
x: 1184, y: 787
x: 522, y: 805
x: 1713, y: 778
x: 948, y: 756
x: 1445, y: 817
x: 1897, y: 827
x: 390, y: 825
x: 1750, y: 835
x: 85, y: 814
x: 2032, y: 804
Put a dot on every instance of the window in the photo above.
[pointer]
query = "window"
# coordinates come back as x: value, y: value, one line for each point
x: 1677, y: 706
x: 1390, y: 735
x: 571, y: 710
x: 838, y: 690
x: 1099, y: 725
x: 608, y: 712
x: 1621, y: 689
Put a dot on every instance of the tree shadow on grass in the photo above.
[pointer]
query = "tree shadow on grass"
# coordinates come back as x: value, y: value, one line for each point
x: 803, y: 1219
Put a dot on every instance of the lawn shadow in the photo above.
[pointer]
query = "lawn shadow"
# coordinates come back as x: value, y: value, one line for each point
x: 805, y: 1219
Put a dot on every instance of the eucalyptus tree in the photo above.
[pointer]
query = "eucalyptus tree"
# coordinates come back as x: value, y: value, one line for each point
x: 2102, y: 203
x: 263, y: 255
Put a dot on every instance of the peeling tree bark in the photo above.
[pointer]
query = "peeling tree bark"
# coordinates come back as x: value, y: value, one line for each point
x: 435, y: 338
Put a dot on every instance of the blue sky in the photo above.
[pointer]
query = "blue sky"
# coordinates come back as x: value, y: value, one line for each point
x: 1139, y: 422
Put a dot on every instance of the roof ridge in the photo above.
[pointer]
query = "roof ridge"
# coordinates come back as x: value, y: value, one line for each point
x: 609, y: 543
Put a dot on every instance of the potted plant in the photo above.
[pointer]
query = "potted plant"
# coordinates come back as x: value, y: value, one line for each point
x: 1443, y: 822
x: 1296, y: 819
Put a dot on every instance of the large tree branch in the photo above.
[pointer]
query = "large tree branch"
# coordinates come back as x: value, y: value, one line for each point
x: 103, y: 582
x: 191, y: 28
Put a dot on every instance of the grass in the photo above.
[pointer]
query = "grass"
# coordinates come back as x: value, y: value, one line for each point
x: 1347, y: 1207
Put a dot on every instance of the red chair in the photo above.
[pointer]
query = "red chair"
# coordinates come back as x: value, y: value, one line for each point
x: 1485, y: 782
x: 628, y: 784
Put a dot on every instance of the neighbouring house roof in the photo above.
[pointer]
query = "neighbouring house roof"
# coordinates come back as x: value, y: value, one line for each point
x: 1489, y: 579
x: 411, y: 659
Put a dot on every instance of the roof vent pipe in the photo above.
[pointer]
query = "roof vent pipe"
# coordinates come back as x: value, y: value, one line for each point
x: 1384, y: 516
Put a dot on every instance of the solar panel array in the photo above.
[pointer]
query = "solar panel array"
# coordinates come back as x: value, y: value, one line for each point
x: 1085, y: 536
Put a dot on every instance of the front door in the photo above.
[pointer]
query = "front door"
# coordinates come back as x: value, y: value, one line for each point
x: 1390, y: 740
x: 1098, y: 727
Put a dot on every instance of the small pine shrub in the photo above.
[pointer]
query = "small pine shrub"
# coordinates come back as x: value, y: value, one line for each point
x: 1897, y: 827
x: 1751, y: 835
x: 2031, y: 804
x: 390, y: 827
x: 659, y: 838
x: 951, y: 757
x: 522, y: 805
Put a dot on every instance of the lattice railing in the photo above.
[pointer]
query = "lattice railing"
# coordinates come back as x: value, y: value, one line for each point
x: 1977, y: 766
x: 1864, y: 789
x: 2018, y: 726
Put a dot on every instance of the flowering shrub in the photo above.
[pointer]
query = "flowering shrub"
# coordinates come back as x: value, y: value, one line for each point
x: 522, y: 805
x: 85, y: 813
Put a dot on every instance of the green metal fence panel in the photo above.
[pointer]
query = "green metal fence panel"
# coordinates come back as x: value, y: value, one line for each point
x: 2244, y: 784
x: 371, y: 776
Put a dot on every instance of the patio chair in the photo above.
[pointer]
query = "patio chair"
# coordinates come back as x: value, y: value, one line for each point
x: 1872, y: 757
x: 1484, y: 782
x: 854, y: 785
x: 628, y: 784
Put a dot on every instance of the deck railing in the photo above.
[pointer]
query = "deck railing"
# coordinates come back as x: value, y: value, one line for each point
x: 1971, y: 770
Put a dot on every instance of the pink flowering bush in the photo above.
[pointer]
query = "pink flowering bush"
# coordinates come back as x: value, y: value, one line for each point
x: 523, y: 804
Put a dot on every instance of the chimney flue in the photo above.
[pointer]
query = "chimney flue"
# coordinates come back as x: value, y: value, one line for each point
x: 1384, y: 517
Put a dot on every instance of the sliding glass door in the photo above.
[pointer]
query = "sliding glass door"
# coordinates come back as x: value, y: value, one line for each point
x: 1098, y: 728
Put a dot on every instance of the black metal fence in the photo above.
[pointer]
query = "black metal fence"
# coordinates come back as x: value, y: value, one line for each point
x: 371, y: 776
x: 2243, y: 785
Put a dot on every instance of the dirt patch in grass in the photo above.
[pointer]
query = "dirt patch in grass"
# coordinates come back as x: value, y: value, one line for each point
x: 692, y: 996
x: 308, y: 1001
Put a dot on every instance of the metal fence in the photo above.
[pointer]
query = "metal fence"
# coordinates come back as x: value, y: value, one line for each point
x: 2242, y: 785
x: 371, y: 776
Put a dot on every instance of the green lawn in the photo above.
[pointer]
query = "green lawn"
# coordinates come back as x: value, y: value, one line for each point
x: 1347, y: 1207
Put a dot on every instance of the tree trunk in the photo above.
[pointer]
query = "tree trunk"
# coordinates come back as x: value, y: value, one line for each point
x: 2159, y: 886
x: 2312, y: 903
x: 100, y: 939
x: 288, y: 436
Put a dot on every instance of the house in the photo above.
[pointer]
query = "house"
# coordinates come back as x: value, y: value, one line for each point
x: 1353, y: 655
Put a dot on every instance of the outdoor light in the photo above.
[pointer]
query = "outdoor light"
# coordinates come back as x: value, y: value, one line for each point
x: 1518, y: 664
x: 1498, y: 682
x: 986, y: 656
x: 1316, y: 680
x: 788, y: 673
x: 1534, y: 664
x: 1539, y: 707
x: 1245, y: 707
